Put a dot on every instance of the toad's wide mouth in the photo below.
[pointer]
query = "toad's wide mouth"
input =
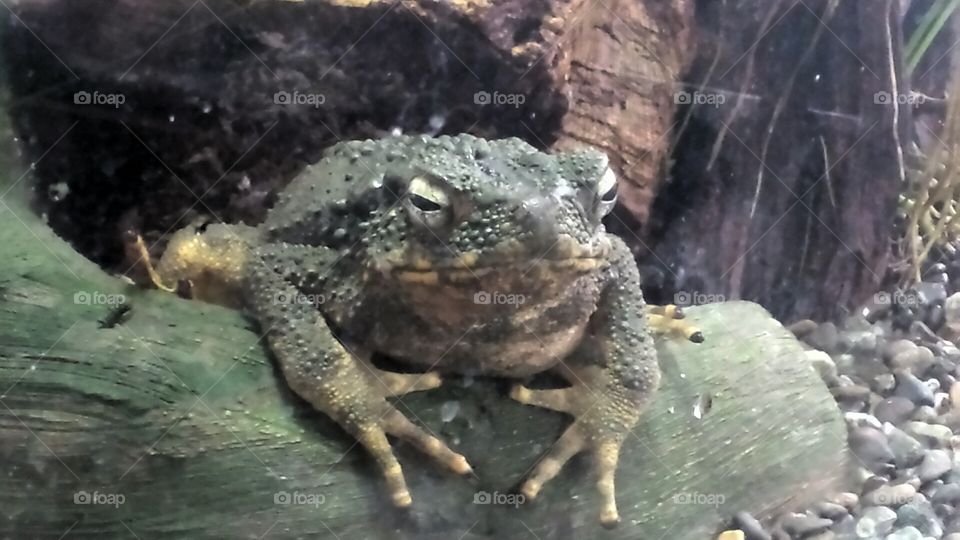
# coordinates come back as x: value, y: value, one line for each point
x: 438, y: 274
x: 566, y: 257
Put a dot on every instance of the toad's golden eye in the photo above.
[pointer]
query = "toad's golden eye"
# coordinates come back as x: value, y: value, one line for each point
x: 607, y: 190
x: 425, y: 196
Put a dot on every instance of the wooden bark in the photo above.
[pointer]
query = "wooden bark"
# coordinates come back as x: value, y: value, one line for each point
x: 174, y: 405
x: 200, y: 121
x: 786, y: 193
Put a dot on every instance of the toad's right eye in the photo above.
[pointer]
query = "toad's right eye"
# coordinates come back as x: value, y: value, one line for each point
x: 428, y: 202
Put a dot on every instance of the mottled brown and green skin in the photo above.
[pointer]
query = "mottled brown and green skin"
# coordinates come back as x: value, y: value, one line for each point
x: 348, y: 262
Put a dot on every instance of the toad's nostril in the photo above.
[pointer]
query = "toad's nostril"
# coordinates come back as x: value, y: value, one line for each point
x: 537, y: 216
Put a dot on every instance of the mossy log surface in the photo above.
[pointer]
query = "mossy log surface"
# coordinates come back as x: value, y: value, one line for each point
x: 169, y: 415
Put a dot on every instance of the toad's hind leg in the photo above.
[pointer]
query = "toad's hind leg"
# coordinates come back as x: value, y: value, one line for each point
x: 322, y: 371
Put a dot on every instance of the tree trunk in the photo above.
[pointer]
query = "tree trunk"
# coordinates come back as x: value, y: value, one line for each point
x: 789, y: 165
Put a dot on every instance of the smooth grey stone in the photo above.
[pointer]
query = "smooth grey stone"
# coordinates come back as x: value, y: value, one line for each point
x: 906, y: 359
x: 935, y: 317
x: 924, y: 359
x: 822, y: 362
x: 923, y: 332
x: 907, y: 451
x: 803, y: 525
x: 947, y: 494
x: 862, y: 342
x: 930, y: 293
x: 925, y: 414
x: 906, y: 533
x: 846, y: 499
x: 897, y: 347
x: 931, y: 434
x: 829, y: 510
x: 751, y: 528
x: 920, y: 515
x: 870, y: 446
x: 951, y: 308
x: 854, y: 392
x: 858, y: 419
x: 875, y: 521
x: 825, y: 337
x: 895, y: 410
x: 936, y: 463
x: 846, y: 527
x: 883, y: 383
x: 891, y: 495
x: 912, y: 388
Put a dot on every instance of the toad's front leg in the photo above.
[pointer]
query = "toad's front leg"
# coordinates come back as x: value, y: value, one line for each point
x: 612, y: 375
x: 321, y: 370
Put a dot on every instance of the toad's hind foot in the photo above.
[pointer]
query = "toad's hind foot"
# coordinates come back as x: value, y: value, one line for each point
x: 602, y: 423
x: 670, y: 320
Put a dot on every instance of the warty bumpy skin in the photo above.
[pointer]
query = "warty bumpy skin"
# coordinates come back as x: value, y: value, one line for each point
x: 451, y: 254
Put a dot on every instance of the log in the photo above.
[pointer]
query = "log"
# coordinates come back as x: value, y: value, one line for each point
x: 134, y: 412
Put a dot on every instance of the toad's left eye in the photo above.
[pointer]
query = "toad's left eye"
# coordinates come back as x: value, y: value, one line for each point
x: 607, y: 189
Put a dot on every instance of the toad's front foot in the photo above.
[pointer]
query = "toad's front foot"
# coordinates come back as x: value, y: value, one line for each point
x: 604, y: 415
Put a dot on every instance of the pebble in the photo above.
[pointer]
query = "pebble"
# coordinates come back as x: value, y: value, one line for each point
x: 925, y: 358
x: 870, y: 446
x: 906, y: 357
x: 947, y: 494
x: 951, y: 308
x: 895, y: 410
x: 884, y: 383
x: 941, y: 402
x: 860, y: 419
x: 920, y: 514
x: 898, y: 347
x: 935, y: 464
x: 897, y: 383
x: 930, y: 293
x: 906, y: 533
x: 907, y: 451
x: 731, y: 535
x: 912, y: 388
x: 949, y: 350
x: 932, y: 434
x: 449, y: 410
x: 846, y: 499
x: 925, y: 414
x: 829, y: 510
x: 890, y: 496
x: 863, y: 342
x: 825, y: 337
x: 876, y: 520
x: 750, y: 526
x: 922, y: 331
x: 802, y: 328
x: 822, y: 362
x: 803, y: 525
x: 853, y: 392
